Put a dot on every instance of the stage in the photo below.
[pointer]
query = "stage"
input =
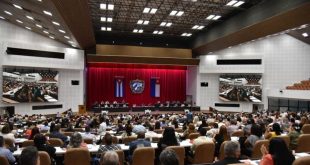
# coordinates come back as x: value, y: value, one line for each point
x: 142, y: 109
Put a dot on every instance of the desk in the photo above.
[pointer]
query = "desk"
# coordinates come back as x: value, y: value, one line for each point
x: 142, y: 109
x: 119, y: 109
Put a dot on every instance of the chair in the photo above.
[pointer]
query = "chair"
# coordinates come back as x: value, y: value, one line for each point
x: 302, y: 161
x: 305, y: 129
x: 143, y: 156
x: 121, y: 156
x: 256, y: 153
x: 79, y: 129
x: 204, y: 154
x: 238, y: 133
x: 286, y: 140
x: 179, y: 130
x: 27, y: 143
x: 4, y: 161
x: 114, y: 140
x: 77, y: 156
x: 9, y: 142
x: 222, y: 154
x: 67, y: 133
x: 88, y: 141
x: 44, y: 158
x: 180, y: 151
x: 159, y: 131
x: 193, y: 136
x: 303, y: 143
x: 55, y: 142
x: 127, y: 140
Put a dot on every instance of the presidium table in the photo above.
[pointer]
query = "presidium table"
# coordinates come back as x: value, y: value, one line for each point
x: 97, y: 109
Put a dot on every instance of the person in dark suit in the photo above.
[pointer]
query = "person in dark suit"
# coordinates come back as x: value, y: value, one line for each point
x: 232, y: 153
x: 57, y: 134
x: 140, y: 142
x: 40, y: 142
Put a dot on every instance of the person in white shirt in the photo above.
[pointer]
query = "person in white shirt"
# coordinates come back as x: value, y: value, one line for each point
x: 201, y: 139
x: 87, y: 134
x: 102, y: 127
x: 6, y: 133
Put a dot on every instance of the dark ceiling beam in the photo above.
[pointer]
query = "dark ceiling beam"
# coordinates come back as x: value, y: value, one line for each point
x: 270, y: 17
x: 76, y: 14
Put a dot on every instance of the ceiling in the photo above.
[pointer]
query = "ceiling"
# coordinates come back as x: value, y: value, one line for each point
x: 301, y: 33
x: 30, y: 14
x: 127, y: 13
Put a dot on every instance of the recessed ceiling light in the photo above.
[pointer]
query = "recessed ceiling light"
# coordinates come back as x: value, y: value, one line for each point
x: 176, y: 13
x: 110, y: 19
x: 155, y: 32
x: 238, y: 3
x: 105, y: 19
x: 183, y: 34
x: 160, y: 32
x: 217, y: 17
x: 46, y: 32
x: 173, y: 12
x: 67, y: 37
x: 104, y: 6
x: 153, y: 11
x: 51, y: 37
x: 109, y: 29
x: 195, y: 27
x: 210, y: 17
x: 135, y: 30
x: 186, y: 34
x: 17, y: 6
x: 73, y: 45
x: 29, y: 17
x: 305, y: 34
x: 140, y: 21
x: 61, y: 31
x: 39, y: 26
x: 40, y: 0
x: 106, y: 28
x: 2, y: 17
x: 180, y: 13
x: 146, y: 10
x: 8, y: 13
x: 230, y: 3
x: 55, y: 23
x: 213, y: 17
x: 168, y: 24
x: 19, y: 21
x: 47, y: 13
x: 189, y: 34
x: 140, y: 31
x: 146, y: 22
x: 163, y: 24
x: 201, y: 27
x: 28, y: 28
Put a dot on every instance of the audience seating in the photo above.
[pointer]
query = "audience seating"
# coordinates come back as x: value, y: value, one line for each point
x: 286, y: 139
x: 207, y: 128
x: 44, y: 158
x: 303, y: 85
x: 193, y: 136
x: 79, y: 129
x: 121, y: 156
x: 180, y: 151
x: 88, y: 141
x: 9, y: 142
x: 204, y: 154
x: 67, y: 133
x: 257, y: 154
x: 4, y: 161
x: 305, y: 129
x: 55, y: 142
x: 302, y: 161
x: 303, y: 143
x: 221, y: 154
x: 114, y: 140
x: 238, y: 133
x: 77, y: 156
x: 127, y: 140
x: 27, y: 143
x: 143, y: 156
x: 159, y: 131
x: 179, y: 130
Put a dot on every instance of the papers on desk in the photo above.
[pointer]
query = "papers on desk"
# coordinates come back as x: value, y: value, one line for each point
x: 302, y: 154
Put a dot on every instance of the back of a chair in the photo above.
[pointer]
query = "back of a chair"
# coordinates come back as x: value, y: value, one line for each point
x: 303, y: 143
x: 180, y: 151
x: 88, y: 141
x: 114, y: 140
x: 305, y: 129
x: 44, y: 158
x: 121, y: 156
x: 179, y: 130
x: 27, y: 143
x: 302, y: 161
x: 238, y: 133
x: 127, y: 140
x: 77, y: 156
x: 143, y: 156
x: 286, y: 140
x: 55, y: 142
x: 222, y: 154
x: 256, y: 153
x: 67, y: 133
x: 9, y: 142
x: 193, y: 136
x: 79, y: 129
x: 4, y: 161
x: 204, y: 153
x: 159, y: 131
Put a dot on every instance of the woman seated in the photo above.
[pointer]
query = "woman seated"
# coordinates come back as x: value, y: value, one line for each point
x: 108, y: 146
x: 273, y: 131
x: 190, y: 129
x: 278, y: 153
x: 220, y: 138
x: 294, y: 135
x: 34, y: 132
x: 76, y: 141
x: 169, y: 139
x: 256, y: 134
x: 40, y: 142
x: 6, y: 133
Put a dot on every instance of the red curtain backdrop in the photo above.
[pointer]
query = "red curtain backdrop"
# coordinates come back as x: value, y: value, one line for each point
x: 100, y: 83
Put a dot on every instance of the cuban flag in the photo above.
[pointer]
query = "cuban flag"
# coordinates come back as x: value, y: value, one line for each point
x: 119, y: 87
x: 155, y: 87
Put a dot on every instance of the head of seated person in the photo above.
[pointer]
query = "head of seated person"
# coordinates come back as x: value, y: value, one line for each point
x: 168, y: 157
x: 109, y: 158
x: 108, y: 139
x: 203, y: 132
x: 76, y: 140
x: 232, y: 149
x: 141, y: 135
x: 30, y: 156
x: 39, y: 140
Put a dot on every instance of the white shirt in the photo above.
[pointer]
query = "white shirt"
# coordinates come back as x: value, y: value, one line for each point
x: 102, y: 128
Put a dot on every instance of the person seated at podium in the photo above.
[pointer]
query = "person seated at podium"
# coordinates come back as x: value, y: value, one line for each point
x: 157, y: 105
x: 178, y: 103
x: 167, y: 104
x: 96, y: 104
x: 102, y: 103
x: 115, y: 104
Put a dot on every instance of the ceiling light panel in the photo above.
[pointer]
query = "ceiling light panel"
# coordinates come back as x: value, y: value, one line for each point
x: 213, y: 17
x: 166, y: 24
x: 8, y: 13
x: 47, y: 13
x: 176, y: 13
x: 106, y: 28
x: 104, y: 6
x: 17, y: 6
x: 149, y: 10
x: 29, y: 17
x: 56, y: 23
x: 106, y: 19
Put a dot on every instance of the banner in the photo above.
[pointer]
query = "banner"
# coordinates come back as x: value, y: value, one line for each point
x: 155, y: 87
x: 119, y: 87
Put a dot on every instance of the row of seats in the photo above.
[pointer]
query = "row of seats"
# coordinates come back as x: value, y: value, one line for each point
x: 303, y: 85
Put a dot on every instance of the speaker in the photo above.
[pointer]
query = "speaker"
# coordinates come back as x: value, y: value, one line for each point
x: 204, y: 84
x: 75, y: 82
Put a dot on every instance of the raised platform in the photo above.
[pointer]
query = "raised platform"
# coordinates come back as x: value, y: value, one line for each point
x: 142, y: 109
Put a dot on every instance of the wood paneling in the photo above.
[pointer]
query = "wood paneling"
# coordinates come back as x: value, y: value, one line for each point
x: 287, y: 20
x: 143, y: 51
x: 141, y: 60
x: 76, y: 15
